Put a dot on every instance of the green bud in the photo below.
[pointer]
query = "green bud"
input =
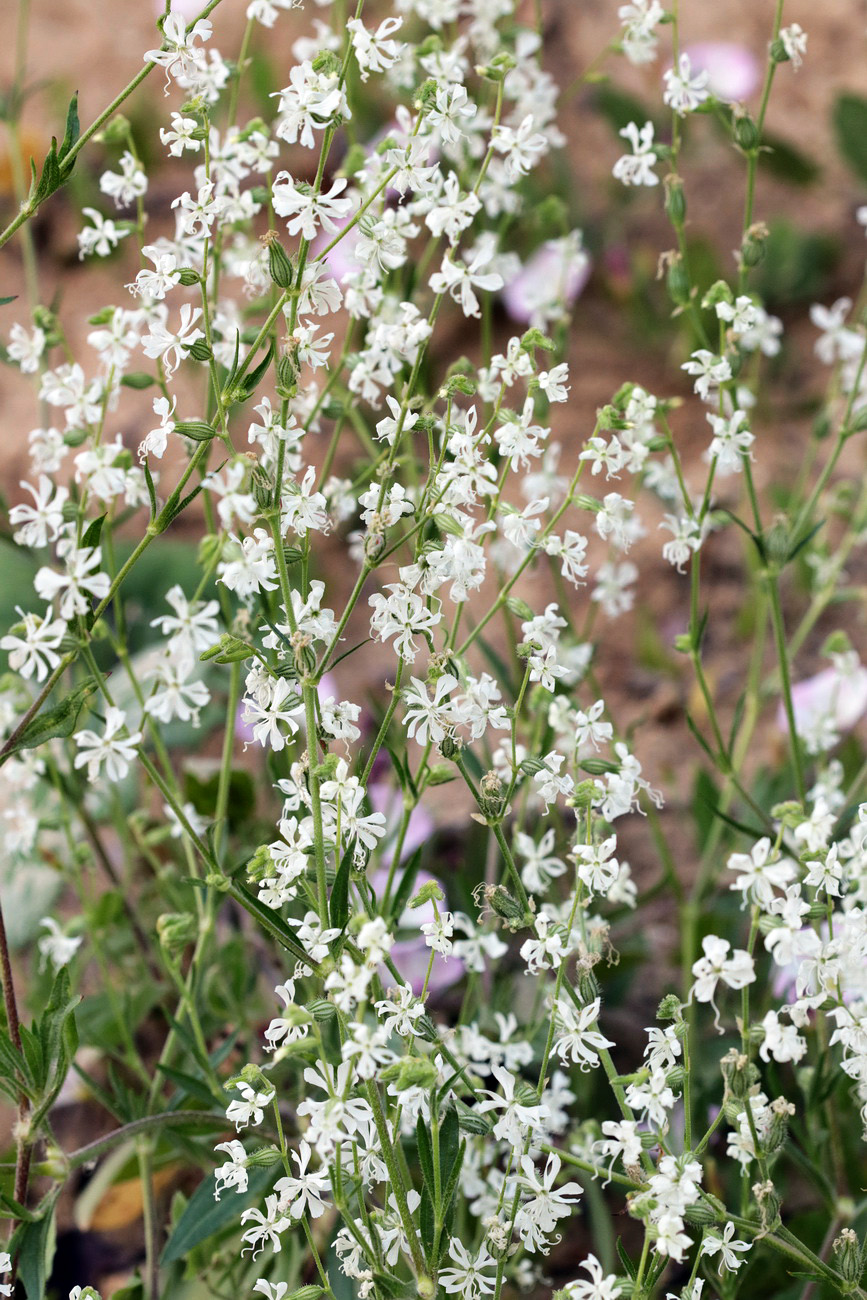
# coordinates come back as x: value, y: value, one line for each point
x: 746, y: 132
x: 501, y: 901
x: 75, y: 437
x: 837, y: 643
x: 778, y: 542
x: 199, y: 351
x: 374, y: 545
x: 498, y: 67
x: 848, y: 1257
x: 778, y: 52
x: 781, y: 1110
x: 440, y: 773
x: 117, y: 130
x: 189, y: 277
x: 519, y: 608
x: 263, y: 1158
x: 534, y: 338
x: 449, y: 747
x: 858, y: 422
x: 327, y: 63
x: 427, y: 894
x: 677, y: 281
x: 670, y: 1008
x: 719, y: 291
x: 427, y: 1030
x: 175, y: 931
x: 470, y: 1121
x: 683, y: 643
x: 753, y: 250
x: 322, y: 1010
x: 769, y: 1201
x: 279, y: 265
x: 411, y: 1072
x: 583, y: 502
x: 305, y: 1293
x: 599, y: 766
x: 228, y: 650
x: 675, y: 200
x: 198, y: 430
x: 583, y: 795
x: 701, y: 1214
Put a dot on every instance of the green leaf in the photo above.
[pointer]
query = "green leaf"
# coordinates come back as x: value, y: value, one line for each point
x: 73, y: 128
x: 189, y: 1086
x: 404, y: 889
x: 93, y: 532
x: 425, y: 1152
x: 450, y: 1146
x: 786, y: 162
x: 57, y: 723
x: 36, y: 1250
x: 204, y: 1217
x: 12, y: 298
x: 850, y: 127
x: 339, y: 905
x: 619, y: 108
x: 271, y: 921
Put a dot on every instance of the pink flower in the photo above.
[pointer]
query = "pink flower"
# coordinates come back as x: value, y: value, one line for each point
x: 548, y: 283
x: 829, y: 697
x: 411, y: 954
x: 733, y: 71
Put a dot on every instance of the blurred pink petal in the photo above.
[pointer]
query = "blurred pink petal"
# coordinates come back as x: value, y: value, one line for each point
x: 411, y: 954
x: 734, y: 72
x: 386, y: 799
x: 555, y: 274
x: 843, y: 697
x: 339, y: 260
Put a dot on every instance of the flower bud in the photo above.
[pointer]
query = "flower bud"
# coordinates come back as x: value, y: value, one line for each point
x: 374, y: 545
x: 440, y: 773
x: 175, y: 931
x: 848, y: 1257
x: 781, y: 1110
x: 228, y: 650
x: 677, y: 281
x: 199, y: 351
x: 675, y: 200
x: 769, y: 1201
x: 264, y: 1158
x: 470, y: 1121
x: 411, y: 1072
x: 669, y: 1008
x: 279, y: 265
x: 501, y: 901
x: 189, y: 277
x: 746, y: 132
x: 322, y: 1010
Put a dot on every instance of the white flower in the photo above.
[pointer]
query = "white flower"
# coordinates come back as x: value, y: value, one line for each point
x: 714, y: 1244
x: 637, y: 168
x: 111, y: 748
x: 794, y: 40
x: 57, y: 947
x: 171, y: 347
x: 100, y: 237
x: 32, y: 645
x: 683, y: 91
x: 234, y: 1172
x: 731, y: 441
x: 468, y: 1277
x: 736, y: 970
x: 179, y: 54
x: 250, y: 1109
x: 579, y: 1041
x: 459, y: 279
x: 81, y: 583
x: 306, y: 1193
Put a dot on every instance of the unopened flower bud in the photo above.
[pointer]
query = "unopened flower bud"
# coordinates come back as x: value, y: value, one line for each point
x: 848, y: 1257
x: 264, y: 1158
x: 675, y: 200
x: 175, y: 931
x: 769, y: 1201
x: 501, y: 901
x: 279, y: 265
x: 781, y: 1111
x: 411, y: 1072
x: 374, y: 545
x: 746, y: 132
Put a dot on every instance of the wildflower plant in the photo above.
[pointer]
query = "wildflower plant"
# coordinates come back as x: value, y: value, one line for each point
x: 372, y: 571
